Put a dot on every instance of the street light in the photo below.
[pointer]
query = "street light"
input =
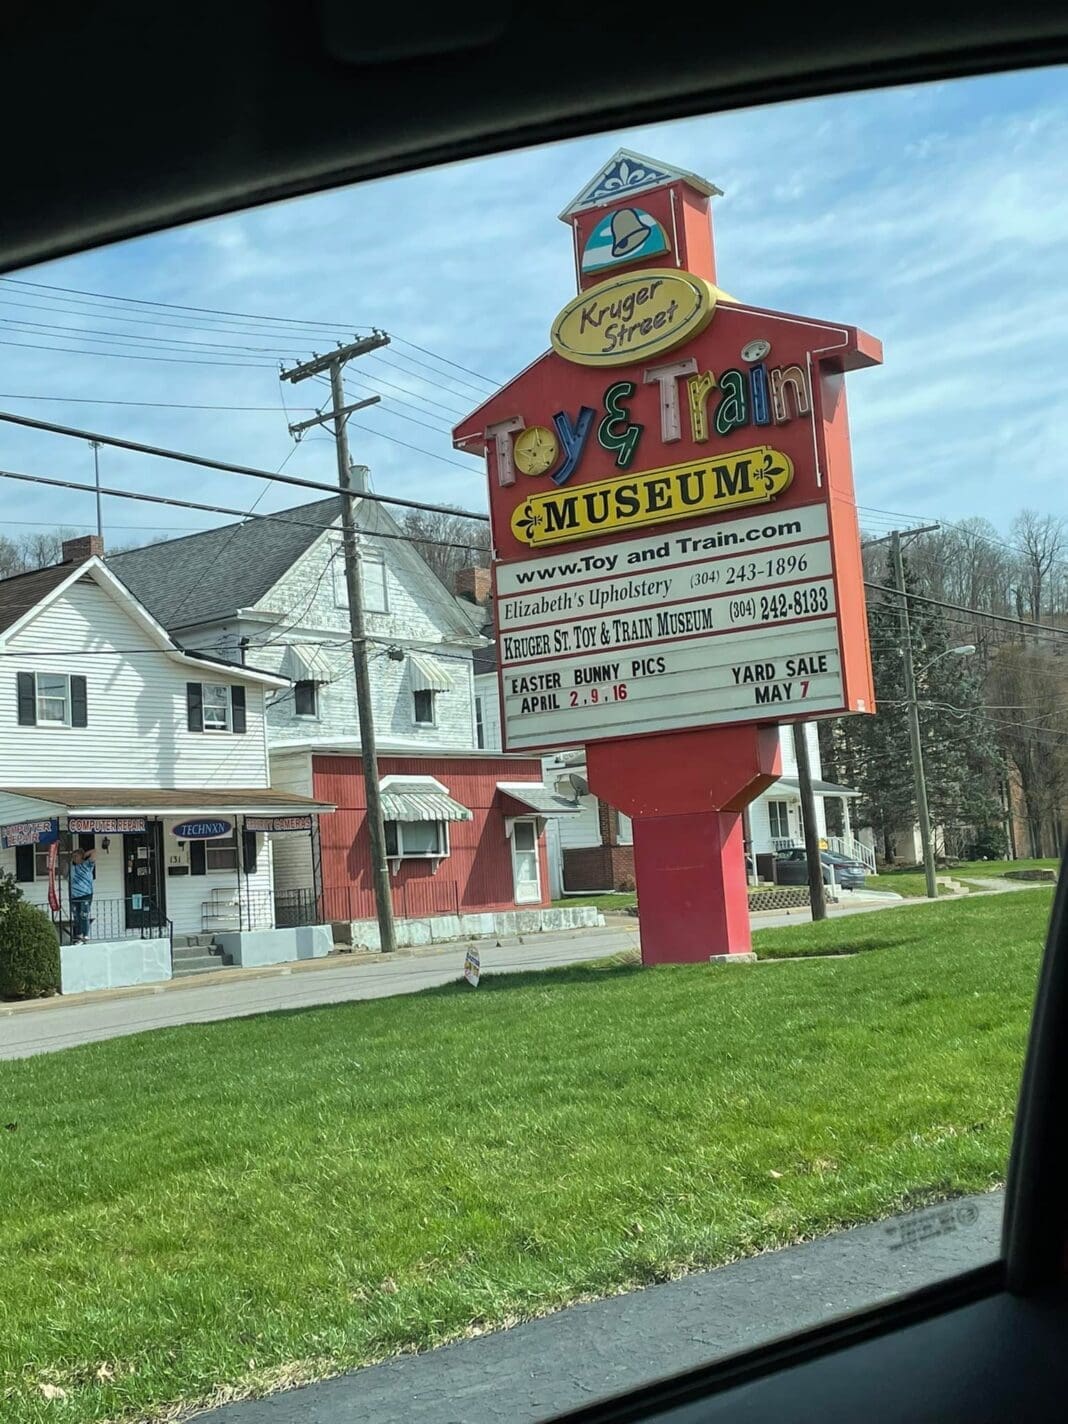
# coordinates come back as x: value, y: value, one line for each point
x: 964, y: 650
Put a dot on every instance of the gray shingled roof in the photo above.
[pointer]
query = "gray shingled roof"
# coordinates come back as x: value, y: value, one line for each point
x: 211, y: 575
x: 21, y: 592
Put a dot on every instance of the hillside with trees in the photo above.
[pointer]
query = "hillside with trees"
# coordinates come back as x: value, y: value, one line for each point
x: 994, y: 725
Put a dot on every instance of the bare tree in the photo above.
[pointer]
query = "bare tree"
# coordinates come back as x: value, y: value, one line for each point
x: 1042, y: 543
x: 448, y: 542
x: 32, y: 551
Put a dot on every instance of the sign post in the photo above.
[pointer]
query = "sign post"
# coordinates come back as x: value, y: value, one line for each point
x: 678, y: 562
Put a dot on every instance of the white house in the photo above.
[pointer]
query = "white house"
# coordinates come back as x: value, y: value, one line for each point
x: 468, y: 829
x: 114, y: 738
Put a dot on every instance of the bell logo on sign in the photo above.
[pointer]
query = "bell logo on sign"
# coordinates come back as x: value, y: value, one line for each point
x: 629, y: 318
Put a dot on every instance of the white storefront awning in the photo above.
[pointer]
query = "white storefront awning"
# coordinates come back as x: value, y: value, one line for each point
x: 427, y: 674
x: 419, y: 798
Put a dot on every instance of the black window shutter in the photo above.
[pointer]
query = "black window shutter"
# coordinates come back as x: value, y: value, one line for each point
x: 194, y: 703
x: 198, y: 860
x: 24, y: 863
x: 237, y: 709
x: 249, y: 852
x: 27, y: 701
x: 79, y: 709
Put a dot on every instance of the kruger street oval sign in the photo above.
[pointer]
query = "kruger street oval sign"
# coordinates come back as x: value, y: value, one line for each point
x: 633, y: 316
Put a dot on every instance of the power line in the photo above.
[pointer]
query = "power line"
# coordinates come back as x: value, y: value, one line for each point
x: 180, y: 306
x: 217, y: 312
x: 459, y: 394
x: 281, y: 515
x: 490, y: 380
x: 975, y: 612
x: 102, y: 312
x: 153, y: 405
x: 118, y: 338
x: 141, y: 356
x: 163, y: 453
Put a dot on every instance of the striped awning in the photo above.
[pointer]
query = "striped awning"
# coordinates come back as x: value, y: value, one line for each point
x: 306, y: 663
x: 419, y: 799
x: 427, y: 674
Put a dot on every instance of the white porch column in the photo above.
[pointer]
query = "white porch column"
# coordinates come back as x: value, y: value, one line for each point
x: 847, y: 830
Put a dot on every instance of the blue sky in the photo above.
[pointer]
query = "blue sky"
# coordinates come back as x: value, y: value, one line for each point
x: 935, y: 217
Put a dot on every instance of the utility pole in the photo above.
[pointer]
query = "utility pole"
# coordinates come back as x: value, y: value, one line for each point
x: 816, y: 893
x: 918, y: 772
x: 96, y: 480
x: 339, y: 413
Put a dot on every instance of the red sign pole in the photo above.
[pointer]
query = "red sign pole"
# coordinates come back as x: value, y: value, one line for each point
x: 677, y: 554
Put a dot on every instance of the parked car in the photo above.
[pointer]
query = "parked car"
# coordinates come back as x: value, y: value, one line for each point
x: 791, y: 868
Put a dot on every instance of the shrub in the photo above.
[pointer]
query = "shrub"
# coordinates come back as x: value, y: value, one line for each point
x: 29, y: 953
x: 991, y: 843
x: 10, y: 894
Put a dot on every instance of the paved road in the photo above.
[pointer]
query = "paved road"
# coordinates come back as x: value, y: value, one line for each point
x: 577, y: 1355
x: 59, y: 1023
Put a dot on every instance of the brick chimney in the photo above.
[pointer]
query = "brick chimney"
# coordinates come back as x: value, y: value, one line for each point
x: 75, y: 551
x: 474, y: 584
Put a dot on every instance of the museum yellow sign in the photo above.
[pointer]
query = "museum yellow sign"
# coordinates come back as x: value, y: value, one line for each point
x: 634, y: 316
x: 697, y: 487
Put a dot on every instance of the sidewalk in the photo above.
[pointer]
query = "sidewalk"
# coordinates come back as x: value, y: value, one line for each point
x: 47, y: 1025
x: 536, y: 1370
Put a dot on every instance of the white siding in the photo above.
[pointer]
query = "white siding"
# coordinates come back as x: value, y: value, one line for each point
x: 137, y: 733
x: 293, y: 869
x: 583, y: 829
x: 486, y: 690
x: 301, y: 609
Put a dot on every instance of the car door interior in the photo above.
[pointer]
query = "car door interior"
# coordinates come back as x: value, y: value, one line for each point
x: 188, y: 114
x: 985, y: 1347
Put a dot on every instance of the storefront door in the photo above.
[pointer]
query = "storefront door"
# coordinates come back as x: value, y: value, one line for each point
x: 525, y: 869
x: 143, y: 881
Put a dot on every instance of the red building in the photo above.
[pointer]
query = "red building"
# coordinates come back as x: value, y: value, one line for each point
x: 465, y: 841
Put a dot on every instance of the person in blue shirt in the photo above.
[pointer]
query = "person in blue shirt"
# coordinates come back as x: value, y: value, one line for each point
x: 82, y: 877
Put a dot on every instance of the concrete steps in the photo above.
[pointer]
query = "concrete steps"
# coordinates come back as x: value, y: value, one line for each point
x: 196, y: 954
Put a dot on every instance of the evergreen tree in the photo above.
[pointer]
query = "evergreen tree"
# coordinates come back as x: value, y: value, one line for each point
x: 960, y: 752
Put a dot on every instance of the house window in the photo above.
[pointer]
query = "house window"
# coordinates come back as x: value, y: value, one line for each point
x: 53, y: 698
x: 216, y: 707
x: 373, y: 570
x: 779, y: 820
x: 480, y: 730
x: 416, y: 840
x: 423, y: 711
x: 306, y: 699
x: 221, y: 853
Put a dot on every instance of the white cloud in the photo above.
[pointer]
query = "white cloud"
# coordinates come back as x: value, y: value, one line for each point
x: 933, y: 216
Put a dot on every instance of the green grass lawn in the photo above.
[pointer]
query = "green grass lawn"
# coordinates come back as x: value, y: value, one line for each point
x: 221, y: 1207
x: 609, y: 900
x: 911, y: 884
x: 972, y: 926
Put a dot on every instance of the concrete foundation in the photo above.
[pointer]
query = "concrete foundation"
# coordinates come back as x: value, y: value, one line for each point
x: 255, y: 947
x: 440, y: 929
x: 113, y: 964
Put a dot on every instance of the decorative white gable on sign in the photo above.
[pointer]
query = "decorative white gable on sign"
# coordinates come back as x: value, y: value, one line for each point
x: 627, y: 173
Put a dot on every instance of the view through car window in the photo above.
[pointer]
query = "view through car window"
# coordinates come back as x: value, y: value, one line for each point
x: 533, y: 761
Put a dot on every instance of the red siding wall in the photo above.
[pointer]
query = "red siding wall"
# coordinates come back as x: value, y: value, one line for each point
x: 477, y: 873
